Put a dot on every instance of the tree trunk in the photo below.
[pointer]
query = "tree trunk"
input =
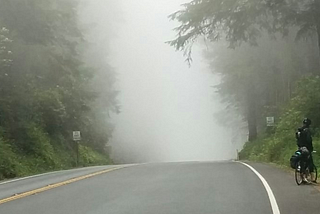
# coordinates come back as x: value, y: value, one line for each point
x: 318, y: 35
x: 252, y: 126
x: 251, y: 116
x: 317, y: 23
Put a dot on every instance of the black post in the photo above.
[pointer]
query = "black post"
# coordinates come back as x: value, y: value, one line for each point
x: 77, y: 149
x: 76, y: 139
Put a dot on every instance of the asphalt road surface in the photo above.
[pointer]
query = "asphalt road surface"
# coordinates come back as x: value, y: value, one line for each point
x: 165, y: 188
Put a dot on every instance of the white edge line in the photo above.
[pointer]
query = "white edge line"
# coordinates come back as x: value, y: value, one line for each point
x: 48, y: 173
x: 273, y: 201
x: 56, y: 172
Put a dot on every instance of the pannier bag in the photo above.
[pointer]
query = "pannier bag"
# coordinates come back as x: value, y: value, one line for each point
x: 294, y: 159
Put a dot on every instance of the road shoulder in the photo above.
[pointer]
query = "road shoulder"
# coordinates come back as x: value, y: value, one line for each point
x: 291, y: 198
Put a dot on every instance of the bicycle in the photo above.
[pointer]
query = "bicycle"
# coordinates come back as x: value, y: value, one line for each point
x: 299, y: 175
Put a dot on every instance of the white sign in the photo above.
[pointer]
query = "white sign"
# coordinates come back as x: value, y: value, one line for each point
x: 76, y: 135
x: 270, y: 121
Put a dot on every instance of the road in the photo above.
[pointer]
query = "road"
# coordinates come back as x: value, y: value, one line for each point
x: 164, y: 188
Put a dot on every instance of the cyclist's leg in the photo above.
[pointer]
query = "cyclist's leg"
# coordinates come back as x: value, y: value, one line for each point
x: 310, y: 164
x: 304, y: 165
x: 311, y: 168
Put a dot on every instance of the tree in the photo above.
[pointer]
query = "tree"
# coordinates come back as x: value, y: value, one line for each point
x: 5, y: 52
x: 258, y: 81
x: 244, y: 21
x: 258, y: 76
x: 5, y: 55
x: 46, y: 85
x: 93, y: 51
x: 5, y: 63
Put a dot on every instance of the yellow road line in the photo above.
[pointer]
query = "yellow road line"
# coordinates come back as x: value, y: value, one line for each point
x: 52, y: 186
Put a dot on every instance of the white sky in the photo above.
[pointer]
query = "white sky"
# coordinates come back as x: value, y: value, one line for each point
x: 167, y: 107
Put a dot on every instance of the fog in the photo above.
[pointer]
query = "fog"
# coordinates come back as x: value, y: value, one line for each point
x: 167, y: 108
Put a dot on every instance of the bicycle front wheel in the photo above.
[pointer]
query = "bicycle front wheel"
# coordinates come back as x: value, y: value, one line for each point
x: 298, y: 175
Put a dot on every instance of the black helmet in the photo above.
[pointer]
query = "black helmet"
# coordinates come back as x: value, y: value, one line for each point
x: 306, y: 121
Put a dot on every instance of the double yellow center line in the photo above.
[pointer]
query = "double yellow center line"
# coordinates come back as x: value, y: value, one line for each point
x: 52, y: 186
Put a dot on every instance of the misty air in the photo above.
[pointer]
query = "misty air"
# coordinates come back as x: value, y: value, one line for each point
x: 159, y: 106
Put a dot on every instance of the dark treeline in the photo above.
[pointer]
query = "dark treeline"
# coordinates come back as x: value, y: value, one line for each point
x: 267, y: 54
x: 48, y: 89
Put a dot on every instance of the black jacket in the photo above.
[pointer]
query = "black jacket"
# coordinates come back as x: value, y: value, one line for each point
x: 304, y: 138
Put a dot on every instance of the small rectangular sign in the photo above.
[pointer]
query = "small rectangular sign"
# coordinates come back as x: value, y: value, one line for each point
x: 76, y: 135
x: 270, y: 121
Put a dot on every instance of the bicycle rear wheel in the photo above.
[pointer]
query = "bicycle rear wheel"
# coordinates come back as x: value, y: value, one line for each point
x: 312, y: 176
x: 315, y: 173
x: 297, y: 174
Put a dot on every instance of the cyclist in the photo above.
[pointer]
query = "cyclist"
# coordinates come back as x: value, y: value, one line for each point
x: 304, y: 142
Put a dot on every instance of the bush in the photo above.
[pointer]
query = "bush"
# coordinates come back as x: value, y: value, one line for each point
x: 89, y: 157
x: 43, y: 155
x: 9, y: 164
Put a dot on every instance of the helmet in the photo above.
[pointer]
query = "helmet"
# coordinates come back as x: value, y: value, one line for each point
x: 306, y: 121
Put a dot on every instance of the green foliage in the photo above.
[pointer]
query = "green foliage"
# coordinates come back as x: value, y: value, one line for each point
x: 48, y: 90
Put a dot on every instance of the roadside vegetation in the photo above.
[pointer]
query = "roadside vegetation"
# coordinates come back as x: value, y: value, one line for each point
x: 278, y: 144
x: 49, y: 88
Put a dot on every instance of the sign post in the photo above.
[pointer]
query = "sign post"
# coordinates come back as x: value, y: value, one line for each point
x: 76, y: 138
